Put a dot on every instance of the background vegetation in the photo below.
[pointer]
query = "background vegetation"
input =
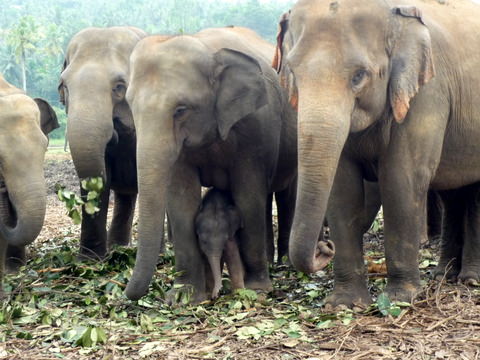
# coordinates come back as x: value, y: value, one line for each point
x: 34, y: 34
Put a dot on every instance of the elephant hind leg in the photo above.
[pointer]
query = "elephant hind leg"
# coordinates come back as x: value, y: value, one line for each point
x: 470, y: 272
x: 121, y: 228
x: 286, y: 208
x: 451, y: 247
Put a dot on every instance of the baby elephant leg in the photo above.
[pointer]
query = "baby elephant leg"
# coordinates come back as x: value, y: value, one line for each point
x: 234, y: 264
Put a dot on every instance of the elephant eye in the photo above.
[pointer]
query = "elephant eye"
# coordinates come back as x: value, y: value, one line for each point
x: 180, y: 111
x: 359, y: 77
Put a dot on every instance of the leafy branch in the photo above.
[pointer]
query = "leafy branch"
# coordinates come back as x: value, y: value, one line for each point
x: 74, y: 203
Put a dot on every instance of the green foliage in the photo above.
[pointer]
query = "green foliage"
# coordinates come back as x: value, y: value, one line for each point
x: 75, y: 203
x: 387, y: 308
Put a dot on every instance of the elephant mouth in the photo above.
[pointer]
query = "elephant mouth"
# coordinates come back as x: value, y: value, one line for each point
x: 8, y: 215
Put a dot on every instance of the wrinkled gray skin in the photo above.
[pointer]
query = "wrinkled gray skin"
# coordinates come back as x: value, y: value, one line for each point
x: 208, y: 111
x: 100, y: 128
x: 24, y: 122
x: 216, y: 226
x: 460, y: 242
x: 383, y: 94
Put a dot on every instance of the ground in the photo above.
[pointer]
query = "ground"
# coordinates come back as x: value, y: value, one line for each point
x: 57, y: 308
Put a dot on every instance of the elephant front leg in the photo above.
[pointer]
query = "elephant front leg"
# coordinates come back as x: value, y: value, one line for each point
x: 184, y: 197
x: 93, y: 237
x: 234, y: 264
x: 15, y: 258
x: 250, y: 197
x: 404, y: 197
x: 348, y: 219
x: 120, y: 231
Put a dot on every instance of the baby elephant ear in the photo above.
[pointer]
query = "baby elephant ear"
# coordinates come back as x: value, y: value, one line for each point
x: 48, y: 118
x: 411, y: 59
x: 240, y: 89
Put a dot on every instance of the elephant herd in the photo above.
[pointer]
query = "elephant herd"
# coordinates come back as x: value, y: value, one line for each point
x: 361, y: 103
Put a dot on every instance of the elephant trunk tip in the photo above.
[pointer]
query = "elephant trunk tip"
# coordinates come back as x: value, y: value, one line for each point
x: 324, y: 252
x: 135, y: 292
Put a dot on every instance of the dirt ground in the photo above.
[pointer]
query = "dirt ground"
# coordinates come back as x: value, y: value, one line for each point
x: 444, y: 323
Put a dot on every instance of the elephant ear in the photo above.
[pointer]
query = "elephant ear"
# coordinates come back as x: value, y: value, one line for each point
x: 282, y: 29
x: 48, y: 118
x: 411, y: 60
x: 60, y: 88
x: 241, y: 88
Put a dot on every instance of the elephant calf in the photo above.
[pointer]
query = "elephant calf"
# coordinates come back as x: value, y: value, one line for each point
x: 24, y: 122
x: 216, y: 225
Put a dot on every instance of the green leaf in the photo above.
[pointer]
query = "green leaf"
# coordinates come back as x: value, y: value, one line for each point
x: 91, y: 208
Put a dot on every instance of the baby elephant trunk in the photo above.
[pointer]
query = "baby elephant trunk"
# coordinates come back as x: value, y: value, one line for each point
x: 215, y: 262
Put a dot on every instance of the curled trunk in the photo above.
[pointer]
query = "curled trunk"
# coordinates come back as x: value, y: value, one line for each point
x: 22, y: 210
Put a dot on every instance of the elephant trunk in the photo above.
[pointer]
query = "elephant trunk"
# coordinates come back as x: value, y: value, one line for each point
x: 155, y: 157
x: 214, y: 262
x: 22, y: 209
x: 89, y: 129
x: 323, y: 128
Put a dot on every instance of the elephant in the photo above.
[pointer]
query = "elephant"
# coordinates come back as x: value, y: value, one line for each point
x: 216, y: 225
x: 208, y: 111
x: 100, y: 129
x: 24, y: 124
x: 385, y: 91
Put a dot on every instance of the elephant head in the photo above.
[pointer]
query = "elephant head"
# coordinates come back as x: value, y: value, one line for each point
x: 348, y: 65
x: 183, y: 97
x: 92, y: 87
x: 23, y: 126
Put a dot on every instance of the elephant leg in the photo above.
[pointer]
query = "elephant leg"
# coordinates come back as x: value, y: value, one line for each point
x: 183, y: 200
x: 451, y: 245
x: 234, y: 264
x: 120, y: 231
x: 15, y: 258
x: 346, y: 221
x: 434, y: 216
x: 373, y: 203
x: 3, y: 252
x: 250, y: 195
x: 286, y: 208
x: 470, y: 273
x: 270, y: 232
x: 93, y: 237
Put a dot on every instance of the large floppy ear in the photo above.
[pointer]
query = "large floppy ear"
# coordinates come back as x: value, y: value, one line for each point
x: 60, y: 88
x: 411, y: 59
x: 282, y: 28
x: 48, y: 118
x: 240, y: 88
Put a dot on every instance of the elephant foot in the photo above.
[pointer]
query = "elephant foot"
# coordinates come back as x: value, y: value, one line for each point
x: 185, y: 295
x: 356, y: 298
x: 451, y: 275
x: 402, y: 291
x: 13, y: 265
x: 261, y: 284
x: 115, y: 239
x: 87, y: 254
x: 469, y: 278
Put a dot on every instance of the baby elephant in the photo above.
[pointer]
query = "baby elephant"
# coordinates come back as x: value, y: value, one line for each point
x: 216, y: 225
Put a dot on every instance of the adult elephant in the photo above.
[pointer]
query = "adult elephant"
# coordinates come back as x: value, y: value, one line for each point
x: 369, y: 107
x: 24, y: 122
x: 100, y: 128
x: 208, y: 111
